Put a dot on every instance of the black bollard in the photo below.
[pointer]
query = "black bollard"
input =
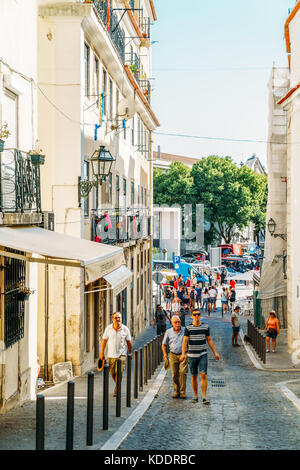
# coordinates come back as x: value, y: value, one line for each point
x: 40, y: 423
x: 128, y: 392
x: 136, y: 375
x: 70, y: 415
x: 148, y: 362
x: 153, y: 356
x: 105, y: 396
x: 119, y: 389
x: 145, y: 365
x: 141, y: 369
x: 90, y: 410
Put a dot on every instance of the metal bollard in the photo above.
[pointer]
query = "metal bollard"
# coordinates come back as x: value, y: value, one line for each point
x: 105, y: 396
x: 90, y: 410
x: 136, y: 375
x: 40, y: 423
x: 128, y: 391
x: 152, y: 355
x: 141, y: 369
x: 70, y: 415
x: 145, y: 365
x: 119, y: 388
x: 148, y: 362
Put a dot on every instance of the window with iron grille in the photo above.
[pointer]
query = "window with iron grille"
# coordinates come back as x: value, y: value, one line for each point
x: 14, y: 277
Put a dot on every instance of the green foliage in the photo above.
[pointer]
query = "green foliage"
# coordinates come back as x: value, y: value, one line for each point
x: 232, y: 196
x: 172, y: 187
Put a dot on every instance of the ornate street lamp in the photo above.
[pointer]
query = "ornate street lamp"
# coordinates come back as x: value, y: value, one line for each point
x: 272, y: 228
x: 101, y: 161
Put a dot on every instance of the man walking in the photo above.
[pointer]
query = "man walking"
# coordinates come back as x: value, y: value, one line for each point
x: 117, y: 339
x: 174, y: 338
x: 195, y: 337
x: 160, y: 319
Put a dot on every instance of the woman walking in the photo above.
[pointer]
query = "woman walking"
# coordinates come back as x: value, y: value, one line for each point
x: 224, y: 301
x: 205, y: 296
x: 272, y: 330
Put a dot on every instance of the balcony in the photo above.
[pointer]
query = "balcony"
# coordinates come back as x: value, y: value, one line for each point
x: 118, y: 226
x: 110, y: 22
x: 20, y: 192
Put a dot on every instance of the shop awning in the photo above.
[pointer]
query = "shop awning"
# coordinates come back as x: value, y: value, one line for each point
x: 97, y: 259
x: 119, y: 279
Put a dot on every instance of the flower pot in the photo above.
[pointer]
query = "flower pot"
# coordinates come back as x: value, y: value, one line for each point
x: 2, y: 142
x: 22, y: 296
x: 37, y: 158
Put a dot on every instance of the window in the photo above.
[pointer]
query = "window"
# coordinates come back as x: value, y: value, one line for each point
x: 142, y: 260
x: 145, y: 192
x: 138, y: 195
x: 87, y: 68
x: 110, y: 99
x: 14, y: 309
x: 142, y: 287
x: 96, y: 197
x: 124, y: 187
x: 138, y: 291
x: 96, y: 78
x: 109, y: 188
x: 104, y: 90
x: 132, y: 194
x: 142, y: 195
x: 132, y: 131
x: 86, y: 206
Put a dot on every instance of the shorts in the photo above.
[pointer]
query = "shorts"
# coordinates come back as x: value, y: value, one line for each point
x: 112, y: 362
x: 198, y: 364
x: 225, y: 302
x: 271, y: 335
x: 212, y: 300
x: 235, y: 329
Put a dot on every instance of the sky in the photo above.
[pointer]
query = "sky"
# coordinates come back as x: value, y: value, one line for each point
x: 211, y: 68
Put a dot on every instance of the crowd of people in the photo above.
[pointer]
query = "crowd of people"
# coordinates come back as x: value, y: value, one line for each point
x: 180, y: 296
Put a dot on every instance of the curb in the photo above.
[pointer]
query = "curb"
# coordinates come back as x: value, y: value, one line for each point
x: 115, y: 441
x: 289, y: 394
x: 256, y: 363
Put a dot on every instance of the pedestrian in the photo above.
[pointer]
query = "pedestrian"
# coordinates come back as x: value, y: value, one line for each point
x: 188, y: 282
x: 117, y: 339
x: 223, y: 276
x: 174, y: 338
x: 168, y: 298
x: 224, y: 301
x: 212, y: 299
x: 232, y: 297
x: 194, y: 280
x: 232, y: 283
x: 160, y: 320
x: 184, y: 310
x: 272, y: 330
x: 199, y: 295
x: 235, y: 326
x: 192, y: 297
x: 195, y: 337
x: 218, y: 279
x: 205, y: 300
x: 175, y: 283
x: 180, y: 280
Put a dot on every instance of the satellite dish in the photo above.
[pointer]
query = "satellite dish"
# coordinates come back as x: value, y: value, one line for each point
x: 126, y: 109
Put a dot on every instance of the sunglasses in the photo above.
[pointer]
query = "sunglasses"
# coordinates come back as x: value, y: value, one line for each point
x: 196, y: 314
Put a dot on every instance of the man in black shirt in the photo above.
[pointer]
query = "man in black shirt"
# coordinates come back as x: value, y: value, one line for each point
x: 160, y: 319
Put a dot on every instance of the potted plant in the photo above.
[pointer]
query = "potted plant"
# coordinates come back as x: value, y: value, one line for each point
x: 132, y: 68
x: 4, y: 133
x: 24, y: 293
x: 36, y: 155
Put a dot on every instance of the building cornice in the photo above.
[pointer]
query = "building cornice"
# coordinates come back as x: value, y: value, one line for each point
x: 287, y: 31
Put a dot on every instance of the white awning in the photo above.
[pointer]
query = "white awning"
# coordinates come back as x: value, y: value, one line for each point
x: 119, y: 279
x: 97, y: 259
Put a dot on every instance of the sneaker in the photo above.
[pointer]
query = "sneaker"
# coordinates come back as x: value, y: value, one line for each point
x: 205, y: 402
x: 195, y: 400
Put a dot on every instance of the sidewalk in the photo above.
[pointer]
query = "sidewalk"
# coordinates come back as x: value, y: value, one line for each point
x: 17, y: 427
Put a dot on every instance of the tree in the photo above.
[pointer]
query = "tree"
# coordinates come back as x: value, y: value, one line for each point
x: 174, y: 186
x: 232, y: 196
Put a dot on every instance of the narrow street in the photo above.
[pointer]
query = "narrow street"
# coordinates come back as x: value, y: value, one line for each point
x: 248, y: 412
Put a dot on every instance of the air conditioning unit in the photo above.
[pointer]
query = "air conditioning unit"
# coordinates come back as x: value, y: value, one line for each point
x: 48, y: 220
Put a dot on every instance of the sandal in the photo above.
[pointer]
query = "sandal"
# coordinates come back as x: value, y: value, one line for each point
x: 205, y: 402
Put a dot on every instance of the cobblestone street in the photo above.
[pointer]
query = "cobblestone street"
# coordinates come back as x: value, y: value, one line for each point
x: 249, y: 412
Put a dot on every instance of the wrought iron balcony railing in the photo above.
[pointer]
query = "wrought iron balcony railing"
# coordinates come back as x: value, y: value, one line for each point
x: 145, y: 86
x: 132, y: 4
x: 120, y: 226
x: 20, y: 190
x: 111, y: 23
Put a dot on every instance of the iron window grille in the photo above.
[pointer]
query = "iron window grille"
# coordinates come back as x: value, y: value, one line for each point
x: 14, y: 309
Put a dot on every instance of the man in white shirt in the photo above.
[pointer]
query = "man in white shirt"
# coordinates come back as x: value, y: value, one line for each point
x: 213, y: 293
x: 117, y: 338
